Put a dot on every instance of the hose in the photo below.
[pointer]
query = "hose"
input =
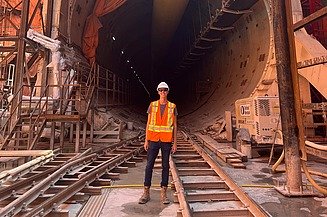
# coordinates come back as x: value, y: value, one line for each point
x: 316, y: 146
x: 304, y: 167
x: 273, y: 145
x: 307, y: 172
x: 311, y: 180
x: 280, y: 159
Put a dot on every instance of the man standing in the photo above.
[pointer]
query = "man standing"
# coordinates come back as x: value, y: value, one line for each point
x: 161, y: 133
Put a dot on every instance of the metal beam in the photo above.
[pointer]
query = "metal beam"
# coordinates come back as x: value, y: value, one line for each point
x: 210, y: 39
x: 312, y: 17
x: 9, y: 38
x: 221, y: 28
x: 197, y: 54
x: 237, y: 12
x: 312, y: 62
x: 7, y: 48
x: 18, y: 78
x: 202, y: 48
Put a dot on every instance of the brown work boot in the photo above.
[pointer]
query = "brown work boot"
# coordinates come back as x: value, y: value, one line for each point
x: 163, y: 194
x: 146, y: 195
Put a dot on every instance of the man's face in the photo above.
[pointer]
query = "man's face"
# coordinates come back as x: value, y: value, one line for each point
x: 163, y: 91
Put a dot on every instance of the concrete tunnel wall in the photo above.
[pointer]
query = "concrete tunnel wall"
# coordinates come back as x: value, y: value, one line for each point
x: 242, y: 64
x: 236, y: 67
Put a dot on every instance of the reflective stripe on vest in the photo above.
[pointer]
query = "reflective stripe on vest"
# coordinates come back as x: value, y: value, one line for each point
x: 154, y: 110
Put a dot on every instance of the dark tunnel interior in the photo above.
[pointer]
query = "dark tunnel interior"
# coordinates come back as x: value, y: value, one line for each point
x: 229, y: 69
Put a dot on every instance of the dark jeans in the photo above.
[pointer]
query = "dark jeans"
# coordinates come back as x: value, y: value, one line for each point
x: 152, y: 154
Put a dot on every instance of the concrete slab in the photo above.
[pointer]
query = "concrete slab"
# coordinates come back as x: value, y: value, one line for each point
x: 257, y: 181
x: 124, y: 196
x: 124, y: 202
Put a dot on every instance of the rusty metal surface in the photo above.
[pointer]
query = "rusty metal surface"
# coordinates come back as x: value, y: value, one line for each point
x: 45, y: 188
x: 289, y: 93
x: 206, y: 190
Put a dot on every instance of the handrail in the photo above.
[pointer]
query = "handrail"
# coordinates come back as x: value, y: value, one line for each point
x: 13, y: 110
x: 9, y: 103
x: 39, y: 106
x: 37, y: 119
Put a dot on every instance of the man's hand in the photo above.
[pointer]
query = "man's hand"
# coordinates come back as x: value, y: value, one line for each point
x: 146, y: 145
x: 174, y: 148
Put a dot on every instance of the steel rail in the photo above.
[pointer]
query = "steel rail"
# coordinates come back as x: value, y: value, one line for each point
x: 184, y: 206
x: 21, y: 184
x: 29, y: 196
x: 53, y: 203
x: 254, y: 209
x: 22, y: 204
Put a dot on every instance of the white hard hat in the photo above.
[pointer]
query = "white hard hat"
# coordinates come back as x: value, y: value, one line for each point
x: 162, y: 85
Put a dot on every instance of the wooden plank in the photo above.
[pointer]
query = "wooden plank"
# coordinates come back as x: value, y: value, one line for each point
x: 238, y: 165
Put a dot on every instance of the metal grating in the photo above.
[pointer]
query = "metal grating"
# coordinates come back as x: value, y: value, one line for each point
x: 264, y: 107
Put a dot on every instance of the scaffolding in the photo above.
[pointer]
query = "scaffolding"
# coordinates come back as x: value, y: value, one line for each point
x: 32, y: 105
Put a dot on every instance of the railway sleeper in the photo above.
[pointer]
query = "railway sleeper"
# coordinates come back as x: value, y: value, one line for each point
x: 120, y: 169
x: 193, y: 163
x: 187, y: 156
x: 210, y: 195
x: 128, y: 164
x: 101, y: 182
x: 205, y: 185
x: 59, y: 213
x: 215, y: 212
x: 65, y: 181
x: 196, y: 172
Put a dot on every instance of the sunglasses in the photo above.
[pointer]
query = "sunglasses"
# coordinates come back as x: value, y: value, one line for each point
x: 163, y: 90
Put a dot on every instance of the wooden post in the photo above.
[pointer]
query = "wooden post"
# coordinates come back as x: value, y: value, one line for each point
x: 84, y: 133
x: 229, y: 126
x: 62, y: 134
x: 71, y: 133
x: 92, y: 126
x: 77, y: 140
x: 52, y: 135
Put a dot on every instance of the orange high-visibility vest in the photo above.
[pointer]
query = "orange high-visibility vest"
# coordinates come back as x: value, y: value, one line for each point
x: 161, y: 127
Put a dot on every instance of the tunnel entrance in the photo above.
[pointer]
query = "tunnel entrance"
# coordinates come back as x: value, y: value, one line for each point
x: 223, y: 68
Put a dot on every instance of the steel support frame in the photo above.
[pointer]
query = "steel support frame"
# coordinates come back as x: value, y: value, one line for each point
x: 21, y: 46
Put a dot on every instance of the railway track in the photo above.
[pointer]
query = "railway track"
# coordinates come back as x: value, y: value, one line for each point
x: 202, y: 187
x: 66, y: 178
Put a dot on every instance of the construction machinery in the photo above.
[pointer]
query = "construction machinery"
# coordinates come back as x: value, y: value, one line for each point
x: 257, y: 122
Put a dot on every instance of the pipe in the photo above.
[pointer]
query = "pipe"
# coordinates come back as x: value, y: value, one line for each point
x: 10, y: 173
x: 35, y: 153
x: 311, y: 180
x: 281, y: 158
x: 316, y: 146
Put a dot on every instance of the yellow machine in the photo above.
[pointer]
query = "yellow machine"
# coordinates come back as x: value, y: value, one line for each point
x: 257, y: 120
